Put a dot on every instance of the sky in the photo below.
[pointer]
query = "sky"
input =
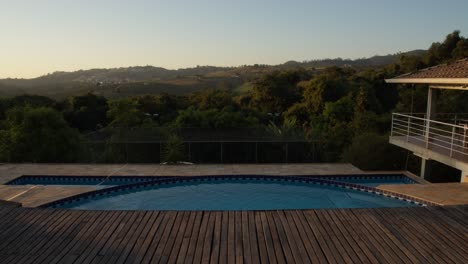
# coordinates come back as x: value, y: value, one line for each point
x: 40, y: 37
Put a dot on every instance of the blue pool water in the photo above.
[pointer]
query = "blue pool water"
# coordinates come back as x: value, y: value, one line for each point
x: 227, y: 194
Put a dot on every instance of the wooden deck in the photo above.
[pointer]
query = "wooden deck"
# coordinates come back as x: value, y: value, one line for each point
x: 398, y: 235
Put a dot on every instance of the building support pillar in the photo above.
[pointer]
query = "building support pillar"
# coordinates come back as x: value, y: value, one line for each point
x: 464, y: 176
x: 426, y: 168
x: 430, y: 113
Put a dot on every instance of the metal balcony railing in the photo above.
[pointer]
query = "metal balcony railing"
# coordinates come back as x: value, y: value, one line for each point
x: 449, y: 138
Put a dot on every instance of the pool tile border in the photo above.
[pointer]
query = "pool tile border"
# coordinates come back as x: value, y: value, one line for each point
x: 80, y: 178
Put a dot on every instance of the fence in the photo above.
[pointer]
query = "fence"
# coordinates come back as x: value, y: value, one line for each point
x: 451, y: 139
x: 235, y: 145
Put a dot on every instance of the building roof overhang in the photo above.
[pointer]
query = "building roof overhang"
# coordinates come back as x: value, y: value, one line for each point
x: 452, y: 75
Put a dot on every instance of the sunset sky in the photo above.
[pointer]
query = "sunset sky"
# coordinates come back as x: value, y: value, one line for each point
x: 38, y: 37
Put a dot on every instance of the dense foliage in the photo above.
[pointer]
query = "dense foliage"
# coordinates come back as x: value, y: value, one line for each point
x: 346, y: 109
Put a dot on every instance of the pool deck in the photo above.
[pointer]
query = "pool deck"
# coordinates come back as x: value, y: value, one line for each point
x: 35, y: 195
x: 387, y: 235
x: 381, y: 235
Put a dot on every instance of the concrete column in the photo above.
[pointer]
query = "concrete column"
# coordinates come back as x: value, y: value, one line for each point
x: 431, y: 103
x: 425, y: 168
x: 464, y: 176
x: 430, y: 112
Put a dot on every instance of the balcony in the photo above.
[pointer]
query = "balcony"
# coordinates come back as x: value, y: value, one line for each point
x: 443, y: 138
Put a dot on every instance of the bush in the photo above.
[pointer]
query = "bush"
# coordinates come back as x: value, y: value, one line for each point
x: 173, y: 151
x: 371, y: 151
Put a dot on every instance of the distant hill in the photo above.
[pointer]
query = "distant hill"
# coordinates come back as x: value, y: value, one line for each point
x: 364, y: 62
x: 140, y: 80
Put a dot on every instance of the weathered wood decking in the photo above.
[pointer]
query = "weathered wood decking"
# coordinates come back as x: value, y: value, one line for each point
x: 398, y: 235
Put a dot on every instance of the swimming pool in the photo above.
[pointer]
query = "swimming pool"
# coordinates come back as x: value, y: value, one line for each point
x: 233, y: 193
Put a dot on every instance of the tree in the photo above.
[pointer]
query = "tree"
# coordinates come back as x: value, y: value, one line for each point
x: 87, y: 112
x: 329, y: 86
x: 125, y: 113
x: 298, y: 112
x: 277, y: 91
x: 213, y: 118
x: 212, y: 99
x: 461, y: 50
x: 39, y: 135
x: 452, y: 47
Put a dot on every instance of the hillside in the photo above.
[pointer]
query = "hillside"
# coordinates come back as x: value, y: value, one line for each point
x: 140, y: 80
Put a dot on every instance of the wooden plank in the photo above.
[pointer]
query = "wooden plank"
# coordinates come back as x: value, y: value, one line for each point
x: 361, y: 245
x: 364, y: 234
x: 281, y: 234
x: 419, y: 233
x: 384, y: 243
x: 396, y: 232
x: 36, y: 249
x: 433, y: 233
x: 268, y: 238
x: 255, y: 257
x: 71, y: 239
x: 109, y: 221
x: 367, y: 234
x: 7, y: 216
x: 21, y: 248
x: 238, y: 237
x: 449, y: 219
x: 247, y: 256
x: 152, y: 244
x: 13, y: 219
x: 158, y: 244
x: 124, y: 238
x: 87, y: 233
x: 298, y: 242
x: 174, y: 252
x: 341, y: 237
x: 326, y: 246
x: 56, y: 242
x: 400, y: 226
x: 231, y: 239
x: 58, y: 246
x: 277, y: 245
x: 393, y: 242
x: 208, y: 239
x: 262, y: 246
x: 197, y: 257
x: 28, y: 232
x: 168, y: 237
x: 145, y: 240
x: 22, y: 223
x: 357, y: 244
x: 113, y: 239
x: 223, y: 250
x: 193, y: 238
x: 180, y: 256
x: 175, y: 239
x: 442, y: 227
x: 216, y: 243
x: 335, y: 239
